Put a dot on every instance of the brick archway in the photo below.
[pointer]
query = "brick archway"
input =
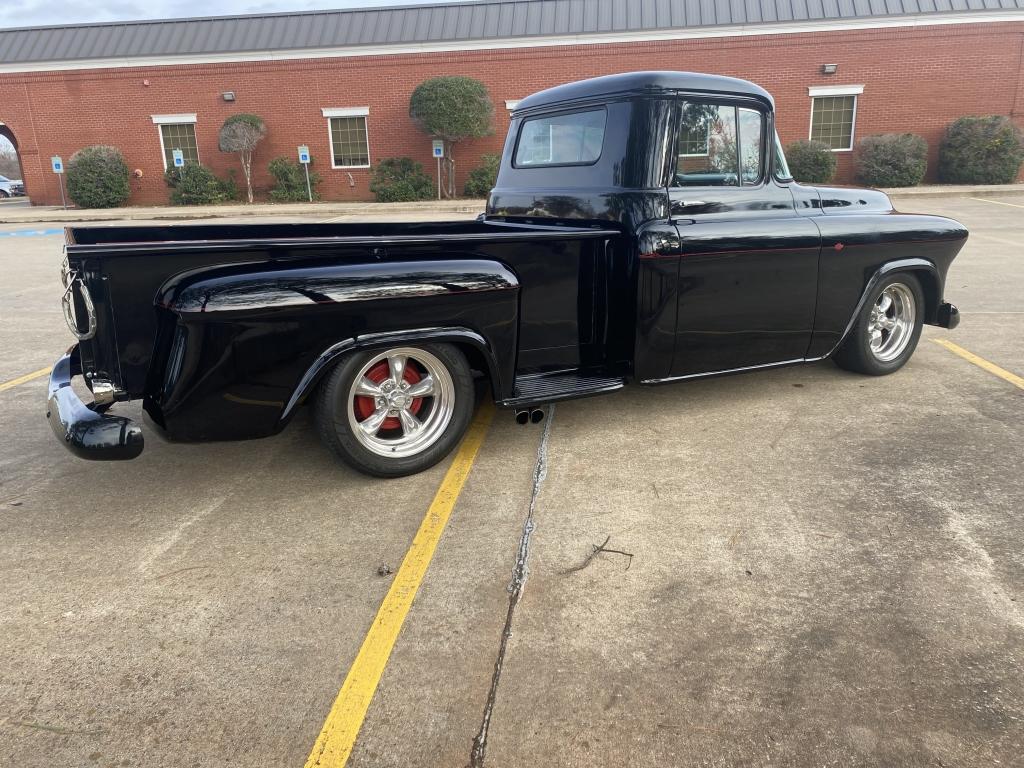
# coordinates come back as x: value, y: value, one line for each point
x: 7, y: 133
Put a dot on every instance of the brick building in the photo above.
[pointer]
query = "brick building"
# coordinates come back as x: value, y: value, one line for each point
x: 340, y: 81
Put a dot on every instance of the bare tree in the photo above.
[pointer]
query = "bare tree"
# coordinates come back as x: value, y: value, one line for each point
x: 9, y: 165
x: 241, y: 134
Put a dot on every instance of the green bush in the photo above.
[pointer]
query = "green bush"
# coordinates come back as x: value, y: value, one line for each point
x: 483, y: 178
x: 981, y: 150
x: 97, y: 177
x: 290, y: 181
x: 891, y: 160
x: 399, y: 180
x: 811, y: 161
x: 195, y: 184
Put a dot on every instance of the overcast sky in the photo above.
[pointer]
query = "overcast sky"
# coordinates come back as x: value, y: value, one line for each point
x: 27, y: 13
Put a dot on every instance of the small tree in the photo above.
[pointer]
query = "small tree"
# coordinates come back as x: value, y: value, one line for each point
x: 811, y: 161
x: 452, y: 108
x: 981, y: 150
x: 891, y: 160
x: 241, y: 134
x: 97, y: 177
x: 483, y: 178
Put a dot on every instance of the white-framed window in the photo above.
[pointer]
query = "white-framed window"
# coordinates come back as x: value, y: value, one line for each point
x: 834, y: 115
x: 177, y: 132
x: 347, y: 133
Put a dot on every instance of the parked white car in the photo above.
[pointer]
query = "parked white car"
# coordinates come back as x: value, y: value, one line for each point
x: 6, y: 188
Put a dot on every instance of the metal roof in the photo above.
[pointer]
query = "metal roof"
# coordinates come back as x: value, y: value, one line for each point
x: 484, y: 20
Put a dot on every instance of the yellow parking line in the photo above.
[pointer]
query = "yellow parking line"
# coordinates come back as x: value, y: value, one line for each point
x: 996, y: 202
x: 981, y: 362
x: 334, y: 744
x: 22, y: 379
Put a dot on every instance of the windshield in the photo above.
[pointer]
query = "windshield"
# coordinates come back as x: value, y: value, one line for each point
x: 4, y: 178
x: 781, y: 166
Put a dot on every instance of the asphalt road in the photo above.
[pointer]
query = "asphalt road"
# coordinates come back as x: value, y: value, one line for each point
x: 822, y: 569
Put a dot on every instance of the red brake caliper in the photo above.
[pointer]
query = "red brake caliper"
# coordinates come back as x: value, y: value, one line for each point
x: 364, y: 406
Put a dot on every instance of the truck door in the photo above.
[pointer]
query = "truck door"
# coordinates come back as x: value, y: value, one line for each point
x: 748, y: 263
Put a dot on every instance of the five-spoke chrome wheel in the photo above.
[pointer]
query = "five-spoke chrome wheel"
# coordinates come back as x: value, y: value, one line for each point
x: 400, y: 402
x: 890, y: 325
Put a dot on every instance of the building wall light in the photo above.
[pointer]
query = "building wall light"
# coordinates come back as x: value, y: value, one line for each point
x: 829, y: 69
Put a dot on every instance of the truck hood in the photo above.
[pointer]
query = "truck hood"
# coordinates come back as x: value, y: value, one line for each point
x: 852, y: 200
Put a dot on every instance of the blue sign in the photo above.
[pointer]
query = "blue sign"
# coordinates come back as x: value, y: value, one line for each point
x: 179, y: 158
x: 304, y: 154
x: 57, y: 163
x: 438, y: 148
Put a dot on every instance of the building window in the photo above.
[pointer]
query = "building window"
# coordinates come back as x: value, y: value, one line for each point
x: 177, y: 132
x: 350, y: 146
x: 834, y: 115
x: 693, y: 140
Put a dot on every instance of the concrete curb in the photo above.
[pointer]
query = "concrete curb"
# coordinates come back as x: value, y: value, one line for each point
x: 955, y: 190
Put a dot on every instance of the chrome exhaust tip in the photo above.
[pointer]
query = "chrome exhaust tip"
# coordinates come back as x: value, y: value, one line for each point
x: 536, y: 415
x: 522, y: 417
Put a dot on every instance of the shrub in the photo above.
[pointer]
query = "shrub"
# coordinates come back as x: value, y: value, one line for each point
x: 981, y: 150
x: 290, y: 181
x: 483, y: 178
x: 97, y: 177
x: 891, y: 160
x: 400, y: 179
x: 811, y: 161
x: 195, y: 184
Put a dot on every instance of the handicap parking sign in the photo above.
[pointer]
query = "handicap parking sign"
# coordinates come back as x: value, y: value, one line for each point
x: 303, y: 154
x: 57, y: 163
x: 179, y: 158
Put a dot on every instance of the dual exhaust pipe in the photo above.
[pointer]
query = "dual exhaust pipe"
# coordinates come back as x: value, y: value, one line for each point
x: 529, y: 416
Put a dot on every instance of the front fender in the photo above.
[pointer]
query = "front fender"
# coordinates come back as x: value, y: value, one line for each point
x: 244, y: 345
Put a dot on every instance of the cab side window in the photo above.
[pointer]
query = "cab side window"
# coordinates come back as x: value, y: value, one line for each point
x: 719, y: 146
x: 706, y: 150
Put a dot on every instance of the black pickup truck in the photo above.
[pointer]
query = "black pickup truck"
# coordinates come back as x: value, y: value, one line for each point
x: 644, y: 228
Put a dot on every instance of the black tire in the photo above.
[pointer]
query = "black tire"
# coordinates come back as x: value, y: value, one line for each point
x: 857, y: 354
x: 3, y: 195
x: 451, y: 407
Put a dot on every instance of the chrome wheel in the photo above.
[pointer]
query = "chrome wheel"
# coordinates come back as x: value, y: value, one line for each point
x: 401, y: 402
x: 891, y: 323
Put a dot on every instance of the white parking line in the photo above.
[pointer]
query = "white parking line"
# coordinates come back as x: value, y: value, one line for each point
x: 996, y: 202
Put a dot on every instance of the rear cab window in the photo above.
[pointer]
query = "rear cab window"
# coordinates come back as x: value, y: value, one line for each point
x: 568, y: 138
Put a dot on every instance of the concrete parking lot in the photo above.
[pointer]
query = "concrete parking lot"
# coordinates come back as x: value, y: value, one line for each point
x: 813, y: 568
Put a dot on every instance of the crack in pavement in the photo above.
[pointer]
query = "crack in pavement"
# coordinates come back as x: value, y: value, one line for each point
x: 520, y: 571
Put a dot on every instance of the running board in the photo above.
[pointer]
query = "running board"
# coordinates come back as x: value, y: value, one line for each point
x: 540, y: 388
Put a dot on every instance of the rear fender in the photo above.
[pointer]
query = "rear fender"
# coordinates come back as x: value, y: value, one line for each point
x: 462, y: 337
x: 242, y: 346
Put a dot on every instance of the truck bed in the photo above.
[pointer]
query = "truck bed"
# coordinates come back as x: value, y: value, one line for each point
x: 564, y: 274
